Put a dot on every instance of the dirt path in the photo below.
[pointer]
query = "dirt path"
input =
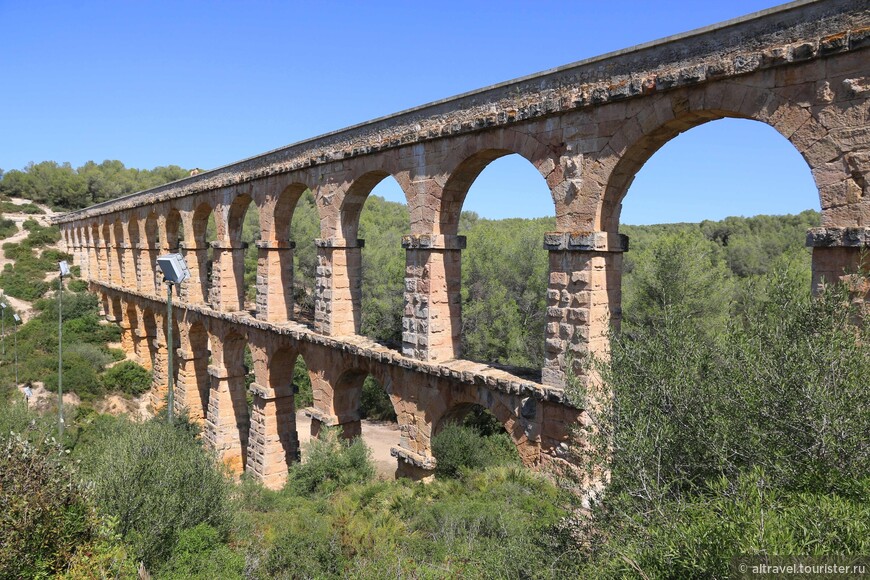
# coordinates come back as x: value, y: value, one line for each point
x: 378, y: 435
x: 24, y: 308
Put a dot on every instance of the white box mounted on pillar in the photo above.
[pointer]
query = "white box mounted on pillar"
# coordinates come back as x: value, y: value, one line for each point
x: 174, y: 268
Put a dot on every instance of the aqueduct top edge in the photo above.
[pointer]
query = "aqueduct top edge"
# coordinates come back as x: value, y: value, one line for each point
x: 810, y: 29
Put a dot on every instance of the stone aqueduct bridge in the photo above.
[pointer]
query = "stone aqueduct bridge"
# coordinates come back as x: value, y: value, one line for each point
x: 802, y: 68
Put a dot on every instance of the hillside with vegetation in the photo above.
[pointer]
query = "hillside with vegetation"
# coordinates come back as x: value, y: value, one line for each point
x: 734, y: 423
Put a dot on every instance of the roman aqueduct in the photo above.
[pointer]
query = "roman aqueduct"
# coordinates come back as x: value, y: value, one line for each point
x: 588, y: 127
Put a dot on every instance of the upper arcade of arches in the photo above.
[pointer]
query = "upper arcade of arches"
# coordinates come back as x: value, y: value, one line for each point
x: 799, y: 67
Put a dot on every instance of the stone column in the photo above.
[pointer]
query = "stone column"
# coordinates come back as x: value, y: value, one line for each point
x: 228, y: 269
x: 350, y: 423
x: 150, y: 280
x: 273, y: 442
x: 160, y: 373
x: 115, y: 252
x: 432, y: 320
x: 90, y: 271
x: 127, y: 341
x: 192, y: 387
x: 102, y: 261
x: 196, y: 258
x: 837, y: 257
x: 128, y: 265
x: 583, y: 298
x: 226, y: 424
x: 275, y: 281
x: 137, y: 256
x: 140, y: 342
x: 338, y: 286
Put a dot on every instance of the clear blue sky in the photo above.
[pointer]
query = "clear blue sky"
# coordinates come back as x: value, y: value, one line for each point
x: 203, y: 84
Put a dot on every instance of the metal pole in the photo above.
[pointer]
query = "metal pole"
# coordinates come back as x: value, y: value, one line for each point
x: 60, y: 358
x: 3, y: 329
x: 15, y: 341
x: 170, y: 347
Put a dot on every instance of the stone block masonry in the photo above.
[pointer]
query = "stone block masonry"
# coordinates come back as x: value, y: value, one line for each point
x: 587, y: 127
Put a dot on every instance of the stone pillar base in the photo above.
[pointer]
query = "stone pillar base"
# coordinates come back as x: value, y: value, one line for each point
x: 583, y: 299
x: 275, y: 281
x: 432, y: 319
x: 338, y: 286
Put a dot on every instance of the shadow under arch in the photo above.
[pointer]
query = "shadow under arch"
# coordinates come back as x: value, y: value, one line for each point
x: 198, y: 343
x: 498, y: 413
x: 202, y: 215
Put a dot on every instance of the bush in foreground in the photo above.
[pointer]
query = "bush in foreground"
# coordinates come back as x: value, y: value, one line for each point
x: 749, y: 442
x: 127, y: 377
x: 157, y: 480
x: 44, y: 515
x: 331, y: 462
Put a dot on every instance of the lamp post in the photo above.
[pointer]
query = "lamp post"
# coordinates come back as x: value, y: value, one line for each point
x: 3, y: 327
x: 16, y: 320
x: 64, y: 271
x: 175, y: 272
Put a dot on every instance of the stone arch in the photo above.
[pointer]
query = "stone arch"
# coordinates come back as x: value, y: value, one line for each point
x: 202, y: 252
x: 470, y: 159
x: 228, y: 420
x: 236, y: 216
x: 662, y: 118
x: 195, y: 344
x: 354, y: 199
x: 278, y: 227
x: 150, y: 279
x: 108, y: 256
x: 149, y: 326
x: 117, y: 252
x: 174, y: 230
x: 132, y: 316
x: 460, y: 407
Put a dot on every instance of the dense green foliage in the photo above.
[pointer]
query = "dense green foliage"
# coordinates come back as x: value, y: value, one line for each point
x: 332, y: 462
x: 156, y: 480
x: 47, y: 519
x: 26, y: 208
x: 7, y: 228
x: 463, y: 447
x: 127, y: 377
x: 63, y: 187
x: 750, y: 440
x: 25, y: 279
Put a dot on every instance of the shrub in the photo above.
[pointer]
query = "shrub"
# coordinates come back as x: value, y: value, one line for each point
x: 157, y: 480
x: 44, y: 516
x: 706, y: 436
x: 472, y: 445
x: 375, y: 402
x: 23, y: 283
x: 201, y: 553
x: 77, y: 286
x: 79, y: 377
x: 127, y: 377
x: 306, y: 547
x: 7, y: 228
x: 331, y: 463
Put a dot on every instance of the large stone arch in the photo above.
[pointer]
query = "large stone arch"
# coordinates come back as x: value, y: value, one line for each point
x: 523, y: 431
x: 470, y: 158
x: 227, y: 420
x: 663, y: 117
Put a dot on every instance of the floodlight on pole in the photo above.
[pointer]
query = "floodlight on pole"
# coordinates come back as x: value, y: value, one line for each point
x: 64, y: 271
x: 3, y: 327
x: 17, y: 320
x: 175, y: 272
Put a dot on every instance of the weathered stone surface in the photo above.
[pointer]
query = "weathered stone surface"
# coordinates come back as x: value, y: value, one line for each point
x: 587, y: 128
